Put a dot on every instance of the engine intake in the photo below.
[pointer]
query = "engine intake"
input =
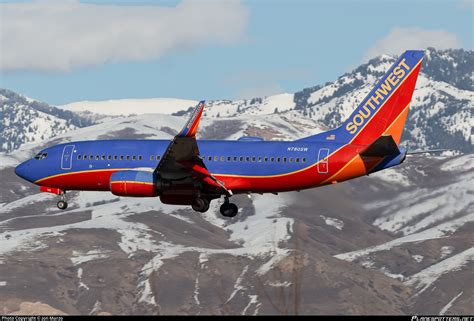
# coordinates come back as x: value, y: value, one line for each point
x: 136, y: 184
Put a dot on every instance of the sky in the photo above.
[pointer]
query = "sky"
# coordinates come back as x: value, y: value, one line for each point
x: 65, y: 51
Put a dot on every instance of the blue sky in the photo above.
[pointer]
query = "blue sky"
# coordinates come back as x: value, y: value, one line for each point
x: 261, y: 48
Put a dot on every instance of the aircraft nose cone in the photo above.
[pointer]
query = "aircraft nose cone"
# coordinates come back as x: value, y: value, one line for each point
x: 22, y: 170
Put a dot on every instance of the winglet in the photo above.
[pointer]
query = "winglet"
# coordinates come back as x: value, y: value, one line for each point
x: 191, y: 127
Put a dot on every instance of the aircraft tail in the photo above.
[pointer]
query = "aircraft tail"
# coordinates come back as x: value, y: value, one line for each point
x: 384, y: 110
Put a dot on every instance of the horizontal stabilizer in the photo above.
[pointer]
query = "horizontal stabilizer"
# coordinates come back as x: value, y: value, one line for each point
x: 381, y: 147
x: 429, y: 151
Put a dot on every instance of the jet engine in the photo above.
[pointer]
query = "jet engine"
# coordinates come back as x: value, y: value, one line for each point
x: 136, y: 184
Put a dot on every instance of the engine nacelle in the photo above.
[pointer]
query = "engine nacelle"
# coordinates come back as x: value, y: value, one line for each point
x: 135, y: 184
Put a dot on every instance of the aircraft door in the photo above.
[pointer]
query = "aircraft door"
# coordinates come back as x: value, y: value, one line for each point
x: 323, y: 161
x: 66, y: 158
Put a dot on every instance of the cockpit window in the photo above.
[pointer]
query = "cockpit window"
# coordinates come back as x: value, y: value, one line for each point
x: 41, y: 156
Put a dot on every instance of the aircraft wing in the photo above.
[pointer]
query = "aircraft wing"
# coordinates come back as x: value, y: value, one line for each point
x: 181, y: 159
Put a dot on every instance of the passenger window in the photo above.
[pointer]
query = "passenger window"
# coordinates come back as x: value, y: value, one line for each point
x: 121, y: 157
x: 297, y: 160
x: 134, y: 157
x: 222, y: 158
x: 266, y: 159
x: 209, y: 158
x: 235, y: 158
x: 291, y: 159
x: 284, y: 159
x: 78, y: 156
x: 96, y: 157
x: 115, y: 157
x: 91, y: 157
x: 229, y: 158
x: 247, y: 159
x: 152, y: 157
x: 109, y: 157
x: 158, y: 157
x: 103, y: 157
x: 128, y: 157
x: 278, y: 159
x: 241, y: 159
x: 253, y: 159
x: 259, y: 159
x: 272, y: 159
x: 216, y: 158
x: 304, y: 160
x: 140, y: 157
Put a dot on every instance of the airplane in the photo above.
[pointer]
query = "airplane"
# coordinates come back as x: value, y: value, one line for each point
x: 187, y: 171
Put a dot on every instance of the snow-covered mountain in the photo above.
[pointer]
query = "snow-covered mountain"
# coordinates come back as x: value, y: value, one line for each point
x: 127, y: 107
x: 441, y: 112
x: 440, y: 115
x: 24, y: 120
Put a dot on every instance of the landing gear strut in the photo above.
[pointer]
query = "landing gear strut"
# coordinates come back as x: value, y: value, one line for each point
x: 62, y: 204
x: 229, y: 209
x: 200, y: 205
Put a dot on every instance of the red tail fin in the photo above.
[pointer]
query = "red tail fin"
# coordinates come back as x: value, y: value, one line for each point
x: 385, y: 109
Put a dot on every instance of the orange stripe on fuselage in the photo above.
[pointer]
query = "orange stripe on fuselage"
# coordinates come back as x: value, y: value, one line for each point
x: 353, y: 168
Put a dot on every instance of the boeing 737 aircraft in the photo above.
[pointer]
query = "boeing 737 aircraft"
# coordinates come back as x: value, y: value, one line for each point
x: 187, y: 171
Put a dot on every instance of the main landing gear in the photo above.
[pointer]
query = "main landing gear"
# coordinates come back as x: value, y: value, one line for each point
x: 200, y: 205
x: 228, y: 209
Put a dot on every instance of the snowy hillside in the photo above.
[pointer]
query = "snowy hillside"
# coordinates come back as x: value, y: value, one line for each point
x: 24, y: 120
x: 125, y: 107
x: 442, y: 104
x: 113, y: 254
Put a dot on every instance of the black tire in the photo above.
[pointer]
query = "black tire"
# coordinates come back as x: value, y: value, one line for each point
x: 206, y: 208
x: 200, y: 205
x: 62, y: 205
x: 229, y: 209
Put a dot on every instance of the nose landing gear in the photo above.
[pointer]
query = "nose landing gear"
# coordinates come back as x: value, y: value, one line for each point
x: 228, y: 209
x: 62, y: 203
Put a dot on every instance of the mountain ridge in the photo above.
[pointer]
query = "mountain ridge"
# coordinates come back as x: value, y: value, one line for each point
x: 440, y: 115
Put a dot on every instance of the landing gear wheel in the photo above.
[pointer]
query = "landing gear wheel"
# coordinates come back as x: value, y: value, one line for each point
x: 229, y: 209
x: 62, y: 205
x: 200, y: 205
